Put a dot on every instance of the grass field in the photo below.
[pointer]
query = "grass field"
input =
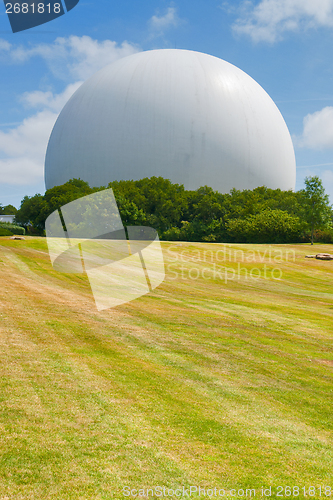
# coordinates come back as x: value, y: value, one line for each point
x: 207, y: 381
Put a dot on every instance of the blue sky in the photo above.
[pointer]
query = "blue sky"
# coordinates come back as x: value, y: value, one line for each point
x: 285, y: 45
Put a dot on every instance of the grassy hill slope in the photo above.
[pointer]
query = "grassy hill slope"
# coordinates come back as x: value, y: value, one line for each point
x: 208, y: 381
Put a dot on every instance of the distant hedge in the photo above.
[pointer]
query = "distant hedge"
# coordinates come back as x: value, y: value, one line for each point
x: 320, y: 236
x: 5, y: 232
x: 12, y: 228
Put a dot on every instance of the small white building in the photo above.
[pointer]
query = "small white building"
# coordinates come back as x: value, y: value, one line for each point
x: 7, y: 218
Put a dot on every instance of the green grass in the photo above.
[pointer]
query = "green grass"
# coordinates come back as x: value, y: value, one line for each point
x: 205, y: 382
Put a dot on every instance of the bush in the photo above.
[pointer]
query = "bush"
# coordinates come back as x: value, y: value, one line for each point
x: 324, y: 236
x: 5, y: 232
x: 269, y: 226
x: 12, y: 228
x: 172, y: 234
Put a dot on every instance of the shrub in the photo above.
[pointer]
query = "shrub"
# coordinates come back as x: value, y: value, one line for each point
x: 5, y: 232
x: 172, y: 234
x: 324, y: 236
x: 13, y: 228
x: 268, y: 226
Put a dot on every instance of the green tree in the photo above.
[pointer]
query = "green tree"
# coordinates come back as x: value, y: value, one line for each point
x: 129, y: 212
x: 7, y: 210
x: 317, y: 209
x: 34, y: 210
x: 162, y: 202
x: 259, y: 215
x: 31, y: 212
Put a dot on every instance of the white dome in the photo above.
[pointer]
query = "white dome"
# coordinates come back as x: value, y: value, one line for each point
x: 186, y: 116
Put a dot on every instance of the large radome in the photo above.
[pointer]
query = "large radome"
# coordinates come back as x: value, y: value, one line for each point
x: 186, y: 116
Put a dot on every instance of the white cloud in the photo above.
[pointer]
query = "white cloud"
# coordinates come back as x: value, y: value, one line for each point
x: 327, y: 178
x: 54, y: 102
x: 4, y: 45
x: 72, y: 58
x: 22, y: 149
x: 169, y: 20
x: 269, y: 20
x: 317, y: 130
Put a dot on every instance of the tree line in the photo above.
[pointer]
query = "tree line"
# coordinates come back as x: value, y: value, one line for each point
x: 260, y: 215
